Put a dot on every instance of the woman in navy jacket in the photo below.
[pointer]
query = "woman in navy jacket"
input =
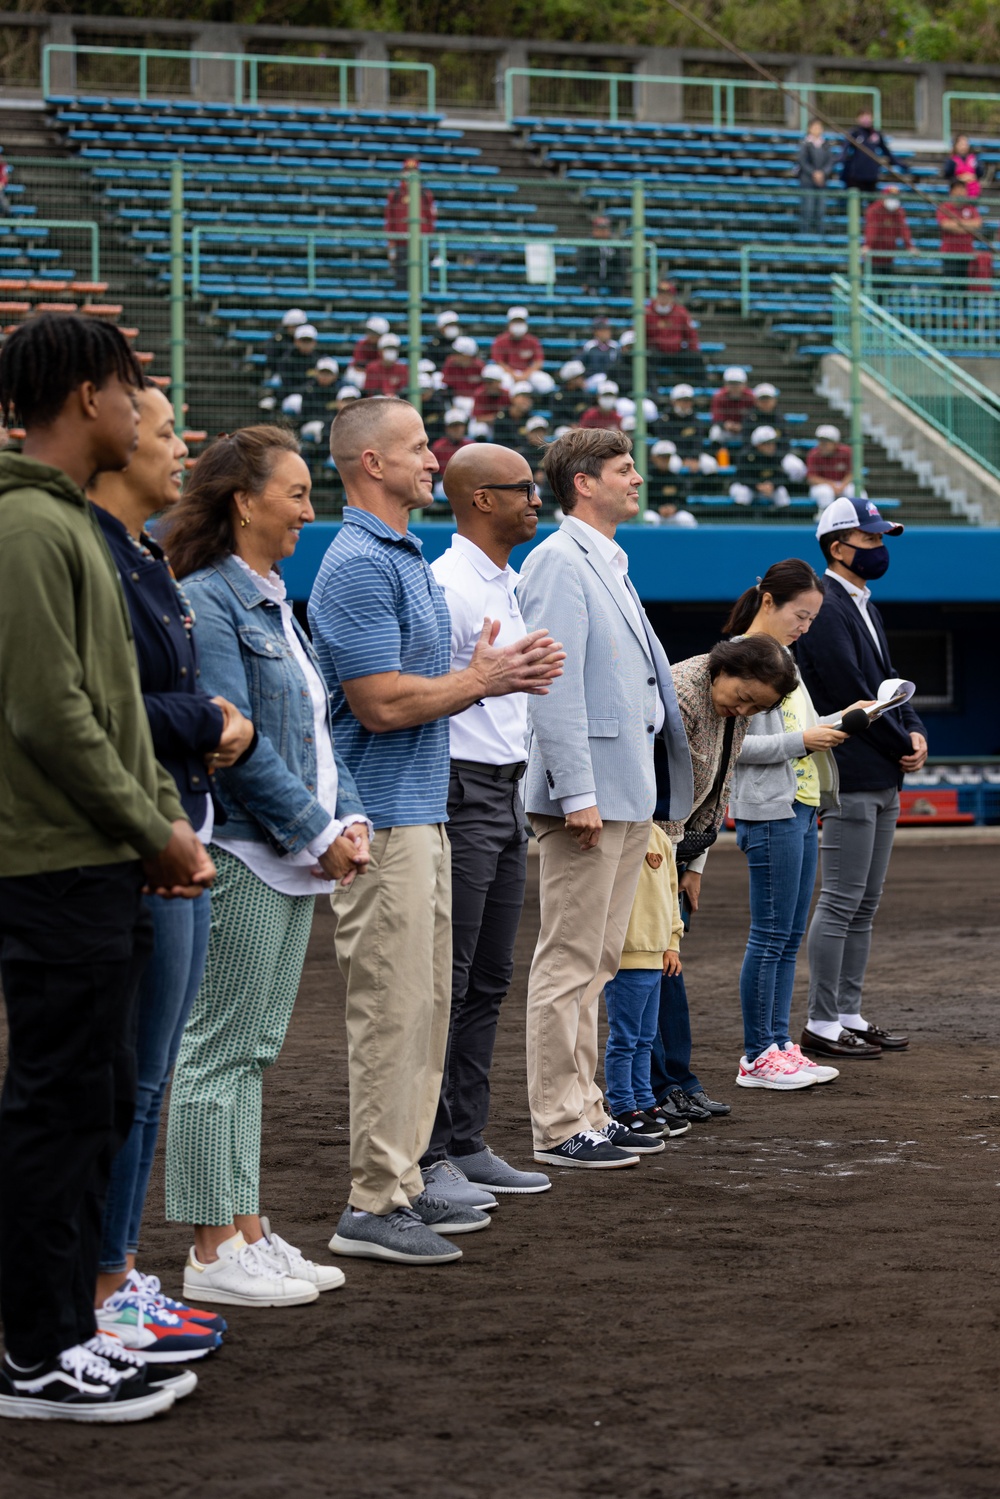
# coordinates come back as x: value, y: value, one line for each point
x: 193, y: 734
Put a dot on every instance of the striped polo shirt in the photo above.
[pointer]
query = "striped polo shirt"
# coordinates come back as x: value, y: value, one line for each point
x: 376, y: 607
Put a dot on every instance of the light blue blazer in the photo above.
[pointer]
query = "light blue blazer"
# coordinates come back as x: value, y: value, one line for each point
x: 592, y: 733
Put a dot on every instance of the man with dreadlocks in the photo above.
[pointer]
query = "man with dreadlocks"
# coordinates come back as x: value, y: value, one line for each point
x: 87, y: 816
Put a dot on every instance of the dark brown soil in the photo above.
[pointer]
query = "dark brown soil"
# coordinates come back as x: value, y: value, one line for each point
x: 798, y: 1301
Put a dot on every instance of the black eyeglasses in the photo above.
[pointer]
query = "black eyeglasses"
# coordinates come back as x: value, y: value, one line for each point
x: 529, y: 488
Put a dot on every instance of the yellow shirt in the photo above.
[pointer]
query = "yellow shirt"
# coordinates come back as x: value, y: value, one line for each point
x: 793, y: 711
x: 655, y: 923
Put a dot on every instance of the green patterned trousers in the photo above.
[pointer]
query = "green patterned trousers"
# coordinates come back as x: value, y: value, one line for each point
x: 236, y: 1028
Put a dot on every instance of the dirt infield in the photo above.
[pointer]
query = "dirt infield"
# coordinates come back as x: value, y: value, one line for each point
x: 798, y: 1301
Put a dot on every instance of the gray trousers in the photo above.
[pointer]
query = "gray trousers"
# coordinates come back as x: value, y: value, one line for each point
x: 854, y: 857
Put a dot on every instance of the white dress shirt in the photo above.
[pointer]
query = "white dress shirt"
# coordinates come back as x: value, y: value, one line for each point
x: 860, y: 597
x: 493, y: 731
x: 617, y: 560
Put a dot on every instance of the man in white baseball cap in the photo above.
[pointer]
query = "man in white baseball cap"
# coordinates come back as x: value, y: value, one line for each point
x: 491, y: 397
x: 366, y: 349
x: 517, y: 351
x: 447, y: 327
x: 732, y: 403
x: 387, y: 375
x: 759, y: 473
x: 293, y: 318
x: 843, y: 659
x: 667, y: 486
x: 572, y: 400
x: 828, y: 467
x: 463, y: 369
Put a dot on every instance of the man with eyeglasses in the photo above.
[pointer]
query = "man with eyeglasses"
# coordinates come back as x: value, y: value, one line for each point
x: 496, y: 505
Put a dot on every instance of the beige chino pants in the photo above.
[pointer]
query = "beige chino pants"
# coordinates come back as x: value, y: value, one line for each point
x: 394, y: 950
x: 586, y: 899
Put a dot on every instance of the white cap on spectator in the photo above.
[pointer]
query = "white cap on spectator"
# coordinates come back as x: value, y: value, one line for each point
x: 292, y: 405
x: 437, y: 380
x: 330, y: 365
x: 478, y: 429
x: 348, y: 393
x: 465, y: 345
x: 625, y: 406
x: 522, y: 388
x: 649, y: 407
x: 763, y: 434
x: 542, y: 383
x: 534, y: 422
x: 627, y: 423
x: 389, y: 341
x: 455, y: 415
x: 293, y: 317
x: 627, y: 339
x: 561, y: 431
x: 492, y: 371
x: 663, y: 448
x: 765, y: 389
x: 517, y: 314
x: 426, y: 367
x: 305, y: 330
x: 425, y: 381
x: 444, y: 318
x: 355, y: 375
x: 682, y: 393
x: 828, y: 432
x: 377, y: 325
x: 734, y: 375
x: 572, y: 369
x: 607, y: 388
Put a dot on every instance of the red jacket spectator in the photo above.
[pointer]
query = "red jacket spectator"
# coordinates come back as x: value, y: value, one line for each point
x: 728, y: 406
x: 959, y: 220
x: 397, y: 210
x: 463, y: 377
x: 444, y: 451
x: 490, y: 399
x: 829, y: 468
x: 365, y: 350
x: 595, y: 417
x: 383, y: 379
x: 885, y: 227
x: 670, y: 332
x: 517, y: 354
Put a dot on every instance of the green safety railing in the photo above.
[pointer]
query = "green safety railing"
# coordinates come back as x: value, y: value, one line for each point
x: 201, y: 234
x: 87, y: 226
x: 724, y: 91
x: 939, y: 391
x: 245, y: 68
x: 439, y: 245
x: 785, y: 253
x: 956, y: 314
x: 954, y: 96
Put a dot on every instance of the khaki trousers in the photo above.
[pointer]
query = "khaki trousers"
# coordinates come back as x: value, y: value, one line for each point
x: 394, y: 950
x: 586, y: 899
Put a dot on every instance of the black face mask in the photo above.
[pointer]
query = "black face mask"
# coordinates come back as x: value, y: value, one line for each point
x: 870, y: 562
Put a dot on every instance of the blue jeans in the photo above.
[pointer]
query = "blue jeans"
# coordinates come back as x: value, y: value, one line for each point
x: 812, y: 209
x: 633, y: 1001
x: 671, y: 1064
x: 782, y: 859
x: 169, y: 986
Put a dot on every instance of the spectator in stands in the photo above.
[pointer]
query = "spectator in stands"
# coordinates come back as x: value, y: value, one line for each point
x: 536, y: 440
x: 603, y: 414
x: 444, y: 448
x: 4, y: 180
x: 671, y: 338
x: 731, y: 404
x: 815, y: 162
x: 885, y: 228
x: 600, y: 266
x: 963, y: 165
x: 623, y: 368
x: 388, y: 374
x: 600, y: 353
x: 491, y: 396
x: 667, y: 484
x: 463, y: 369
x: 442, y: 341
x: 828, y: 467
x: 681, y: 427
x: 366, y: 348
x: 517, y: 352
x: 864, y: 155
x: 320, y: 402
x: 960, y: 222
x: 291, y: 359
x: 981, y: 264
x: 759, y: 474
x: 397, y: 222
x: 509, y: 424
x: 571, y: 400
x: 765, y: 411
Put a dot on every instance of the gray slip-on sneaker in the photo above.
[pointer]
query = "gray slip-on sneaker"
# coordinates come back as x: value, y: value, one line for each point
x: 443, y: 1217
x: 490, y: 1171
x: 448, y: 1181
x: 399, y: 1236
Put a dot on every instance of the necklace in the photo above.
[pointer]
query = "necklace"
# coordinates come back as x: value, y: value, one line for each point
x: 141, y: 544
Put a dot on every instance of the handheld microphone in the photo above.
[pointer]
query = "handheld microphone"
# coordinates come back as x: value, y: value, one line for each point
x: 854, y: 722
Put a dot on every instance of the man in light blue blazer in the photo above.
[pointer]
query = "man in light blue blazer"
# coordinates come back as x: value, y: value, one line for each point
x: 590, y: 788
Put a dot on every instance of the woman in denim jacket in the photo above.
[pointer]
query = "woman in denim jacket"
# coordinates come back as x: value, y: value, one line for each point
x: 294, y: 825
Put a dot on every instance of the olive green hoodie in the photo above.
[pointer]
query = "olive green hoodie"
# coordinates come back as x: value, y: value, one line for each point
x: 79, y: 782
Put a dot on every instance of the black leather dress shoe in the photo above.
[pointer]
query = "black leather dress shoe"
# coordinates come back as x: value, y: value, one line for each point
x: 847, y: 1045
x: 875, y: 1036
x: 710, y: 1105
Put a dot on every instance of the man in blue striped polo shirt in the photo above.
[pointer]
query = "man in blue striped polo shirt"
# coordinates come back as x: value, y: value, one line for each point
x: 382, y: 631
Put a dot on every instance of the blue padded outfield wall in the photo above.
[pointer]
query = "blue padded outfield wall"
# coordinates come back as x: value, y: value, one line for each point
x: 941, y: 578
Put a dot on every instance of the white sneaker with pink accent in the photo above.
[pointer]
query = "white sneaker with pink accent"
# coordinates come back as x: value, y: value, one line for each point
x: 806, y: 1064
x: 773, y: 1069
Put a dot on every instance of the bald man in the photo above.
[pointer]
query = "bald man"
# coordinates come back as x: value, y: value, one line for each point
x: 493, y: 495
x: 382, y: 631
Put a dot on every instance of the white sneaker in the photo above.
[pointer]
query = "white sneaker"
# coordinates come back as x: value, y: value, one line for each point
x: 291, y: 1261
x: 244, y: 1276
x: 806, y: 1064
x: 773, y: 1069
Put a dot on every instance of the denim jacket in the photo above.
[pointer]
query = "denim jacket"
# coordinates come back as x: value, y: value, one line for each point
x: 245, y: 657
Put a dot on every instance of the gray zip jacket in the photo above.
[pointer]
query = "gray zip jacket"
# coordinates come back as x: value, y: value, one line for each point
x: 764, y: 783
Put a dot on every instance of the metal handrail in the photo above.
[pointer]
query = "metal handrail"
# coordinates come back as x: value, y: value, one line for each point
x: 721, y: 88
x: 946, y: 103
x: 92, y: 228
x: 240, y: 60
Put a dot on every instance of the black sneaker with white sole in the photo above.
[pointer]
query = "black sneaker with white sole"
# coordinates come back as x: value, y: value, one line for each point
x: 589, y: 1150
x: 641, y: 1122
x: 77, y: 1385
x: 626, y: 1139
x: 132, y: 1365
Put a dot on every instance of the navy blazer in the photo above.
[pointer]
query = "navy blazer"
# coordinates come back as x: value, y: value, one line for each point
x: 186, y: 724
x: 840, y: 665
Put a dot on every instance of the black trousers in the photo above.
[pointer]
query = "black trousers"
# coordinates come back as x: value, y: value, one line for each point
x: 73, y: 945
x: 489, y: 856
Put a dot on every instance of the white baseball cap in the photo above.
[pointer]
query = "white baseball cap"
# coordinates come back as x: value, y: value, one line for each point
x: 761, y: 435
x: 293, y: 317
x: 454, y: 415
x: 465, y: 345
x: 426, y: 366
x: 377, y: 325
x: 607, y: 388
x: 828, y: 432
x: 682, y: 393
x: 627, y: 423
x: 625, y: 406
x: 305, y: 330
x: 663, y: 448
x: 542, y: 383
x: 444, y: 318
x: 734, y: 375
x: 515, y: 314
x: 522, y: 388
x: 627, y: 339
x: 425, y: 381
x: 330, y: 365
x: 389, y: 341
x: 348, y: 393
x: 855, y: 515
x: 572, y: 369
x: 765, y: 389
x: 492, y: 371
x: 534, y: 422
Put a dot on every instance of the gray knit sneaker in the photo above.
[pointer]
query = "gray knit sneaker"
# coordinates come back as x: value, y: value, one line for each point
x: 399, y: 1236
x: 490, y: 1171
x: 448, y: 1181
x: 443, y: 1217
